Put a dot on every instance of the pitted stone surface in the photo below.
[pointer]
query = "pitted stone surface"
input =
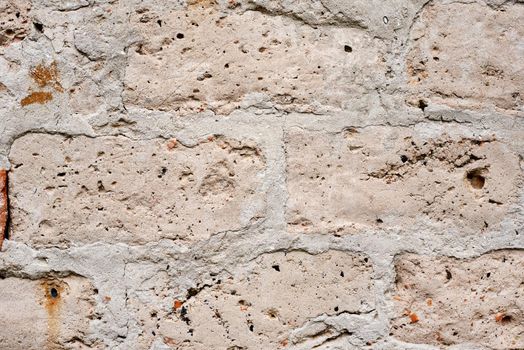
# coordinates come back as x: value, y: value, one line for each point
x: 382, y: 177
x: 198, y: 59
x: 260, y: 308
x: 446, y: 301
x: 49, y: 313
x: 81, y: 190
x: 453, y: 58
x: 14, y: 21
x: 261, y: 174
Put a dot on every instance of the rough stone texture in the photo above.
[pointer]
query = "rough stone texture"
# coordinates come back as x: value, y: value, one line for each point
x: 197, y: 59
x: 383, y: 177
x: 445, y: 301
x: 279, y: 293
x: 261, y: 174
x: 453, y: 61
x: 14, y: 21
x: 112, y: 189
x: 49, y: 313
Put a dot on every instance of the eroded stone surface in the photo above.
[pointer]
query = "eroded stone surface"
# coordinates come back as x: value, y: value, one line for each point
x: 467, y: 56
x: 14, y: 21
x: 197, y: 59
x: 386, y: 177
x: 446, y: 301
x: 260, y: 308
x: 78, y: 190
x: 50, y: 313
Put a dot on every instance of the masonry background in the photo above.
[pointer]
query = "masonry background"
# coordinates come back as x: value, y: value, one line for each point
x: 255, y: 174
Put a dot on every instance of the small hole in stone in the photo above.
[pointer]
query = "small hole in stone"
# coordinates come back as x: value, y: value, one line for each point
x: 276, y: 267
x: 251, y: 327
x: 39, y: 26
x: 403, y: 158
x: 448, y: 275
x: 348, y: 48
x: 226, y: 65
x: 475, y: 178
x: 180, y: 36
x: 159, y: 22
x: 422, y: 105
x: 336, y: 308
x: 506, y: 319
x: 54, y: 293
x: 379, y: 221
x: 385, y: 20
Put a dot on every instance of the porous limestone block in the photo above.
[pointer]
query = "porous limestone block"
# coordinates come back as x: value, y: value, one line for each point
x: 259, y: 307
x: 395, y: 177
x: 49, y: 313
x: 15, y: 23
x: 75, y: 190
x: 467, y: 55
x: 200, y: 58
x: 447, y: 301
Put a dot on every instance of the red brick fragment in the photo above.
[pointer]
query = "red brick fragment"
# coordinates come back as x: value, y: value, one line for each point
x: 3, y: 205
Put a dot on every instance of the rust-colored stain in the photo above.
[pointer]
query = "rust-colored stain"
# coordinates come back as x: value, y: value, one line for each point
x: 429, y: 302
x: 37, y: 97
x: 52, y: 303
x: 47, y: 76
x: 44, y: 77
x: 3, y: 205
x: 502, y: 317
x: 169, y: 341
x: 171, y: 144
x: 413, y: 317
x: 177, y: 304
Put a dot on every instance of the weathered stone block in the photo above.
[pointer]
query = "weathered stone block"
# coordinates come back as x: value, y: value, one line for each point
x: 80, y: 190
x: 198, y: 59
x: 259, y: 308
x: 394, y: 177
x: 49, y: 313
x: 468, y: 56
x: 15, y: 24
x: 446, y: 301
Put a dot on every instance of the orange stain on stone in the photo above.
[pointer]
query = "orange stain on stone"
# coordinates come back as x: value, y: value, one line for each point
x: 413, y: 317
x: 37, y: 97
x: 44, y: 76
x: 169, y: 341
x: 171, y: 144
x: 52, y: 302
x: 47, y: 76
x: 177, y: 304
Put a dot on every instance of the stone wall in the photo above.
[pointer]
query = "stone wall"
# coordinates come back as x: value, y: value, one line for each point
x: 261, y: 174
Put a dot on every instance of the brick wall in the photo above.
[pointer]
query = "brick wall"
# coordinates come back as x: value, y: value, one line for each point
x: 259, y: 174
